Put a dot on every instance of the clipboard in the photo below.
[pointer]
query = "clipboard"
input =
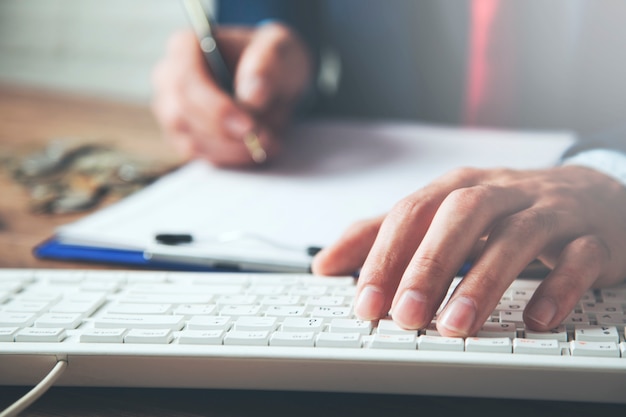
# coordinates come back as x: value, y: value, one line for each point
x: 332, y: 174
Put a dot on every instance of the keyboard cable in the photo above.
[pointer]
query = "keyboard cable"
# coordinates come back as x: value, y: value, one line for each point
x: 37, y: 391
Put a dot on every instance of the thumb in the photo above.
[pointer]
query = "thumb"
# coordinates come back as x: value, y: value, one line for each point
x: 348, y: 254
x: 274, y: 68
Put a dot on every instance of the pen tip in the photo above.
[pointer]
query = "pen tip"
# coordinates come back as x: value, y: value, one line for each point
x: 253, y: 144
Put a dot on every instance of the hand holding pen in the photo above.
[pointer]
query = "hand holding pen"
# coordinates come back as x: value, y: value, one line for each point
x: 237, y: 120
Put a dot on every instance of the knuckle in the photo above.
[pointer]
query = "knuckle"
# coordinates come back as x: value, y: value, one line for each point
x: 471, y: 199
x: 592, y: 245
x: 464, y: 173
x: 431, y: 266
x: 406, y: 208
x: 529, y: 223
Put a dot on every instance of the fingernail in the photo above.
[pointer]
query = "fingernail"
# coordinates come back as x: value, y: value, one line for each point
x: 253, y: 91
x: 370, y: 304
x: 459, y: 316
x: 411, y: 309
x: 237, y: 125
x: 542, y: 311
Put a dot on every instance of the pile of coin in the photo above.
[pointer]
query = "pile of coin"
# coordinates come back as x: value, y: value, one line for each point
x: 68, y: 176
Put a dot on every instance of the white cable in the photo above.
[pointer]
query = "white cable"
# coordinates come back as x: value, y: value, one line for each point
x: 38, y: 390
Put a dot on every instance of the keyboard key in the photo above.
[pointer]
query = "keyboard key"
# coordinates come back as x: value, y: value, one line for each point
x: 190, y: 310
x: 515, y: 305
x: 100, y: 286
x: 328, y: 300
x: 331, y: 312
x: 439, y: 343
x: 601, y: 308
x: 308, y: 291
x: 26, y: 306
x: 596, y: 334
x: 576, y: 319
x: 247, y: 338
x: 239, y: 299
x: 431, y: 329
x: 281, y: 300
x: 132, y: 308
x: 210, y: 278
x: 390, y: 327
x: 140, y: 322
x: 536, y: 346
x: 498, y: 330
x: 158, y: 336
x: 285, y: 311
x: 167, y: 298
x: 252, y: 323
x: 209, y: 323
x: 7, y: 334
x: 240, y: 310
x: 521, y: 294
x: 489, y: 345
x: 394, y: 341
x: 340, y: 340
x: 599, y: 349
x: 312, y: 280
x: 611, y: 319
x: 299, y: 339
x: 507, y: 316
x: 16, y: 319
x: 558, y: 333
x: 103, y: 336
x: 63, y: 320
x: 82, y: 303
x: 350, y: 326
x: 267, y: 290
x: 303, y: 324
x: 201, y: 337
x: 613, y: 295
x: 60, y: 276
x: 33, y: 334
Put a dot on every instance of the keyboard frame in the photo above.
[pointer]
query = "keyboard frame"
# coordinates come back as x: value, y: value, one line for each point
x: 364, y: 370
x: 319, y: 369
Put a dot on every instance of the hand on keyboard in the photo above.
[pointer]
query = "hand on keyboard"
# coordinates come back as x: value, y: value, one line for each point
x: 571, y: 218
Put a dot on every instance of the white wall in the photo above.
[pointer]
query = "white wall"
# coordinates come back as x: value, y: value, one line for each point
x: 106, y: 47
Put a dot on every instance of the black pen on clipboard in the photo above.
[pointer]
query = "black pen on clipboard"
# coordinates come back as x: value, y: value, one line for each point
x: 204, y: 27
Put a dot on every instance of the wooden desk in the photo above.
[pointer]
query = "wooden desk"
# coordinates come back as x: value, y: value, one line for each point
x: 27, y: 119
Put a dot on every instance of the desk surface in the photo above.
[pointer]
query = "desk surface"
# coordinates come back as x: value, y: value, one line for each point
x: 27, y: 119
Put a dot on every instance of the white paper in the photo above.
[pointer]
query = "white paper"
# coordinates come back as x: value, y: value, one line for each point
x: 331, y: 175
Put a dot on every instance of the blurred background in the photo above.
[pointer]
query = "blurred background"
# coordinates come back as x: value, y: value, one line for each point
x: 568, y: 56
x: 105, y: 48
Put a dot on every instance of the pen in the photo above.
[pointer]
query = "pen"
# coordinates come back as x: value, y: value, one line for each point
x: 185, y: 250
x: 204, y: 26
x: 183, y: 238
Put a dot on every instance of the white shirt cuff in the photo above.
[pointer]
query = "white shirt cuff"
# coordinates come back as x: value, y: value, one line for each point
x: 609, y: 162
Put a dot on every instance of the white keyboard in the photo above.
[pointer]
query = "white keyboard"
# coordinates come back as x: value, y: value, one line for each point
x: 292, y: 332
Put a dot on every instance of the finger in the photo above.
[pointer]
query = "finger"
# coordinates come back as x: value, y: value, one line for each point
x: 580, y: 265
x: 211, y: 117
x: 463, y: 218
x: 275, y: 67
x: 399, y: 236
x: 349, y: 252
x: 512, y: 244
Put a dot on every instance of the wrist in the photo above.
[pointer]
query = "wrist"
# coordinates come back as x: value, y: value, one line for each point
x: 609, y: 162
